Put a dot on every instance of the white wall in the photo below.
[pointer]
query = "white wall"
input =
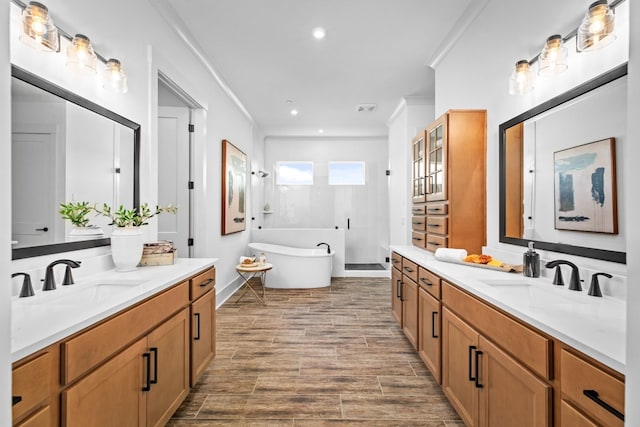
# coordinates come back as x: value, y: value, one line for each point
x: 408, y: 120
x: 5, y: 220
x: 523, y: 28
x: 632, y: 410
x: 136, y: 34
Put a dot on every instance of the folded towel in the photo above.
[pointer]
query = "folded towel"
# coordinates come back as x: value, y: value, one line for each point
x: 449, y: 254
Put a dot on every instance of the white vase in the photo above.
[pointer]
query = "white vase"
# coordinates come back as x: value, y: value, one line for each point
x: 126, y: 247
x: 85, y: 233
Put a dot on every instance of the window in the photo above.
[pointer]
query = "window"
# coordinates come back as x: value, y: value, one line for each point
x: 346, y: 173
x: 294, y: 173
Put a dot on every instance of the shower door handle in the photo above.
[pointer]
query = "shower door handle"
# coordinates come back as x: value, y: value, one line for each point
x: 348, y: 223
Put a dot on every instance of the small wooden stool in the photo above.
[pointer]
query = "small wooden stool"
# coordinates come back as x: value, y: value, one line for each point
x: 248, y: 272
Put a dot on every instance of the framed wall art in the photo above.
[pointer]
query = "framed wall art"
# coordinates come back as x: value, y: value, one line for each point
x: 234, y: 188
x: 585, y: 188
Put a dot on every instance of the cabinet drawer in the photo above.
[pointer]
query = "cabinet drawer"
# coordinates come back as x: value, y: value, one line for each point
x: 429, y: 282
x: 410, y: 269
x: 83, y: 352
x: 437, y: 225
x: 419, y: 238
x: 419, y: 223
x: 434, y: 242
x: 32, y: 383
x: 203, y: 283
x: 569, y: 416
x: 529, y: 347
x: 419, y: 209
x: 578, y: 375
x: 396, y: 260
x: 440, y: 208
x: 42, y: 418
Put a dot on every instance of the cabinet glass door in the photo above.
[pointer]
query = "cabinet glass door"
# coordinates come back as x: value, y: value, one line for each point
x: 419, y: 169
x: 436, y: 164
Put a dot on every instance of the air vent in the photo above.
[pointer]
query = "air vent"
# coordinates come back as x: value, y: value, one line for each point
x: 365, y: 108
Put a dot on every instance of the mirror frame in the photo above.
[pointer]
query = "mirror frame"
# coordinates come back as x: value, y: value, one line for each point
x: 32, y: 79
x: 601, y: 254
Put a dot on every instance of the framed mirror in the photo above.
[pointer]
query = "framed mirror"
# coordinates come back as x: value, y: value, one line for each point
x: 531, y: 199
x: 66, y: 148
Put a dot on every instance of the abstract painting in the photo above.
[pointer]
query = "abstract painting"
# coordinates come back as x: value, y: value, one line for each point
x: 585, y: 188
x: 234, y: 179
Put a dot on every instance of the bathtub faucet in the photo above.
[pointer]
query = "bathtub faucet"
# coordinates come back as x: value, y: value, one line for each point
x: 328, y: 247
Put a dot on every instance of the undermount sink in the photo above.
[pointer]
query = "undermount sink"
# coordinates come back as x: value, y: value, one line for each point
x: 535, y: 295
x: 82, y: 293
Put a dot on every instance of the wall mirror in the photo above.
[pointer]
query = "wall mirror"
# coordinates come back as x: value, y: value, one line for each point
x: 593, y: 111
x: 65, y: 148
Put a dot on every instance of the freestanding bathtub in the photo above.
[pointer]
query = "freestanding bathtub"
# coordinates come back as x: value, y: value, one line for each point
x: 295, y: 268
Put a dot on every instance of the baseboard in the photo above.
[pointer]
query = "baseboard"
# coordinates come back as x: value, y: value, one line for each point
x: 227, y: 292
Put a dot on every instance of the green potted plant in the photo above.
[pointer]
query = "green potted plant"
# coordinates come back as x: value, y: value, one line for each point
x: 127, y: 237
x: 77, y: 213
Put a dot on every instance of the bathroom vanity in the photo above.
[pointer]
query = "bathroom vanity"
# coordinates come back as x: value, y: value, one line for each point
x: 119, y: 349
x: 511, y: 350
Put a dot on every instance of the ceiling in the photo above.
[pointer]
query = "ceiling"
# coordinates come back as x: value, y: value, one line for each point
x: 375, y: 51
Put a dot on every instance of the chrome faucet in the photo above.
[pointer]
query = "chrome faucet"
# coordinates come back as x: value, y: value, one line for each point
x: 49, y: 278
x: 328, y: 247
x: 574, y: 281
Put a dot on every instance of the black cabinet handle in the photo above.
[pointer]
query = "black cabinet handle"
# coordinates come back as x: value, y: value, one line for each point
x: 398, y: 282
x: 197, y: 316
x: 147, y: 358
x: 417, y: 223
x: 433, y: 225
x: 206, y: 282
x: 15, y: 400
x: 477, y: 379
x: 395, y: 261
x: 410, y: 270
x: 593, y: 395
x: 433, y: 243
x: 434, y: 314
x: 401, y: 291
x: 433, y: 209
x: 154, y: 350
x: 425, y: 281
x: 472, y: 348
x: 416, y: 238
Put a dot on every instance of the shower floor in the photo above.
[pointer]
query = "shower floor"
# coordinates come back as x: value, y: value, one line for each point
x: 363, y: 267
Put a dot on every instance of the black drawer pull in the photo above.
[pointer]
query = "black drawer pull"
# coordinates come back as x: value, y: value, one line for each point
x: 593, y: 395
x: 147, y: 358
x: 154, y: 350
x: 197, y: 336
x: 395, y: 261
x: 417, y: 223
x: 478, y: 354
x: 434, y: 243
x: 433, y: 225
x: 417, y: 238
x: 410, y: 270
x: 15, y: 400
x: 398, y: 284
x: 471, y: 350
x: 401, y: 291
x: 433, y: 209
x: 426, y: 282
x: 434, y: 314
x: 206, y: 282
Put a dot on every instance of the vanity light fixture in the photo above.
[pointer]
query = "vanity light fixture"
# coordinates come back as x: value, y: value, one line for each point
x: 553, y: 58
x: 597, y: 27
x: 114, y: 78
x: 80, y: 54
x: 522, y: 79
x: 38, y: 30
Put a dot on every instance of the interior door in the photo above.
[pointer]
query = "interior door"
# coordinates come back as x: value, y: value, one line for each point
x: 173, y: 175
x: 33, y: 209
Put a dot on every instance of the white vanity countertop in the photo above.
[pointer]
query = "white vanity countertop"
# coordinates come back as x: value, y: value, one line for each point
x: 594, y: 326
x: 48, y: 317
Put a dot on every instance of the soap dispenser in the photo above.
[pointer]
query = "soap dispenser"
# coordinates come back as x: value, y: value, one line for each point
x: 531, y: 262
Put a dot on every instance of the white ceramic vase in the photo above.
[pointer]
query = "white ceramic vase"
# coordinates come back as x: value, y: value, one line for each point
x: 85, y: 233
x: 126, y: 247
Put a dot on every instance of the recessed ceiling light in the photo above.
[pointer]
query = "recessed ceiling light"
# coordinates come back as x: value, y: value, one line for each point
x: 320, y: 130
x: 319, y: 33
x: 294, y: 112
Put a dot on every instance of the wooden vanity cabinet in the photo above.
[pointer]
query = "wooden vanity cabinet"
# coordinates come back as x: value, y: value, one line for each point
x: 429, y: 338
x: 203, y: 334
x: 491, y: 385
x: 404, y: 297
x: 34, y: 383
x: 396, y: 296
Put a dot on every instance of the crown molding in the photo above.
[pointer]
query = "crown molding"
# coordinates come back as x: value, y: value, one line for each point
x: 408, y: 101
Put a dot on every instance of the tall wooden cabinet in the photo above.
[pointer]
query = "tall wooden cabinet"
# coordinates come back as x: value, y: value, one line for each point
x: 452, y: 212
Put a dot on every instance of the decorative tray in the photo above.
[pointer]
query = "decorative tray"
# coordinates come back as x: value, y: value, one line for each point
x: 509, y: 268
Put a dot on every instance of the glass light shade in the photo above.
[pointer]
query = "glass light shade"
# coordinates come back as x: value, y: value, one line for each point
x: 80, y: 54
x: 114, y: 78
x: 522, y: 79
x: 38, y: 30
x: 553, y: 58
x: 597, y: 27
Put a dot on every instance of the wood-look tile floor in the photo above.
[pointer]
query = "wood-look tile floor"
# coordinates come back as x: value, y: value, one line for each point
x: 318, y: 357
